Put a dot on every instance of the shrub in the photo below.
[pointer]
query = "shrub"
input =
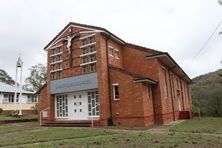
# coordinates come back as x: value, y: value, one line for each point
x: 1, y: 110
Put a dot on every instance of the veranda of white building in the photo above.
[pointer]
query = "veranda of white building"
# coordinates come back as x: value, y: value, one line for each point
x: 28, y: 100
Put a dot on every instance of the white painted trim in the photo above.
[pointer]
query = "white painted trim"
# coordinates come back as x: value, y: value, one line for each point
x: 55, y: 70
x: 113, y: 37
x: 56, y: 62
x: 90, y: 53
x: 83, y: 46
x: 69, y: 28
x: 83, y: 64
x: 96, y: 31
x: 111, y: 46
x: 55, y: 54
x: 87, y: 36
x: 115, y: 84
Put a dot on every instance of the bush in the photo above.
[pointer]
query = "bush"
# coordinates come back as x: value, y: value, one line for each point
x: 1, y: 110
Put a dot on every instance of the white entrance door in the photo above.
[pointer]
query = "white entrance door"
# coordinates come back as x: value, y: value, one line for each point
x: 78, y: 106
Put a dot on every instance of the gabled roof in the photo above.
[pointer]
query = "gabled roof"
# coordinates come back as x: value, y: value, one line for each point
x: 11, y: 89
x: 90, y: 27
x: 97, y: 29
x: 41, y: 88
x: 167, y: 60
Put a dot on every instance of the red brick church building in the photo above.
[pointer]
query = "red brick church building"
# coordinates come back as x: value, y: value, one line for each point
x: 93, y: 74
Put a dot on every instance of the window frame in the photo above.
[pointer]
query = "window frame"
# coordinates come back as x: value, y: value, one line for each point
x: 111, y: 51
x: 116, y: 54
x: 114, y: 91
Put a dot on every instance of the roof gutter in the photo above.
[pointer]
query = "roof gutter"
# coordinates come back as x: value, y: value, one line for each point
x: 165, y: 54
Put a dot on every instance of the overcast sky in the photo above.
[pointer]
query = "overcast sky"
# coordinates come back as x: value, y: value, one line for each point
x: 179, y: 27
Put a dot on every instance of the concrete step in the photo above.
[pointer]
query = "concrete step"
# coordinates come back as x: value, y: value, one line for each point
x: 67, y: 123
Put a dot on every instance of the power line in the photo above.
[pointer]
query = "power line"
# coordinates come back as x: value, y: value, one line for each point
x: 205, y: 43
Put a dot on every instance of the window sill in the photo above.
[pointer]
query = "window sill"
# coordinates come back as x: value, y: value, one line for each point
x: 116, y: 100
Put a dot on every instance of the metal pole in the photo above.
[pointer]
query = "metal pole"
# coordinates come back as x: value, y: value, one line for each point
x: 20, y: 94
x: 15, y: 95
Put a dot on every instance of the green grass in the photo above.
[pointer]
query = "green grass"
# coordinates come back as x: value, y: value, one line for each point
x: 199, y: 125
x: 46, y: 134
x: 137, y: 140
x: 8, y: 128
x: 8, y: 117
x: 25, y: 134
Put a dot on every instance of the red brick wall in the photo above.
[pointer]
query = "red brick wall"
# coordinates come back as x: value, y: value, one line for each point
x: 42, y: 99
x: 134, y: 107
x: 103, y: 88
x: 112, y: 59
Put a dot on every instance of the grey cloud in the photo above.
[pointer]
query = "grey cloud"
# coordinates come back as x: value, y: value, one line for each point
x: 178, y: 27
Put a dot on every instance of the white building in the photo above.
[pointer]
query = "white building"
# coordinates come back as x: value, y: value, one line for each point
x: 27, y: 103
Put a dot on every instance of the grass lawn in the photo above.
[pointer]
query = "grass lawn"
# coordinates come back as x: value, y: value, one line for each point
x: 199, y: 125
x: 30, y: 134
x: 137, y: 140
x: 9, y: 128
x: 8, y: 117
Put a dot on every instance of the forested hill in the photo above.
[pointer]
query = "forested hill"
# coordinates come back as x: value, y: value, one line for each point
x: 207, y: 93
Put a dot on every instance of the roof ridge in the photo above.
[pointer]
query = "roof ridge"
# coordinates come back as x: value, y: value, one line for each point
x: 102, y: 29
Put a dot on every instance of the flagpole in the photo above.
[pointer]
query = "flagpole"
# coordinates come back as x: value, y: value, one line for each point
x: 20, y: 94
x: 15, y: 95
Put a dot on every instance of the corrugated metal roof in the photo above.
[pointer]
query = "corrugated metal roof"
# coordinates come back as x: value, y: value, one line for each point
x: 8, y: 88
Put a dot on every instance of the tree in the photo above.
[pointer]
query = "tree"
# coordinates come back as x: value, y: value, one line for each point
x: 36, y: 79
x: 207, y: 94
x: 4, y: 77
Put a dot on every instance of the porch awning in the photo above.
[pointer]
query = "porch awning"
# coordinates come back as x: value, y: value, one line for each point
x: 145, y: 80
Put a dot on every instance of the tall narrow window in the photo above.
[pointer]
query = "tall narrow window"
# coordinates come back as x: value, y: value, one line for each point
x: 53, y: 67
x: 53, y: 76
x: 93, y: 103
x: 111, y: 51
x: 85, y: 69
x: 116, y: 53
x: 84, y: 51
x: 60, y: 65
x: 116, y: 91
x: 92, y: 48
x: 165, y: 85
x: 84, y: 42
x: 53, y: 51
x: 60, y: 74
x: 92, y: 67
x: 60, y: 58
x: 92, y: 58
x: 92, y: 39
x: 149, y: 91
x: 53, y: 59
x: 172, y: 86
x: 60, y: 49
x: 85, y: 59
